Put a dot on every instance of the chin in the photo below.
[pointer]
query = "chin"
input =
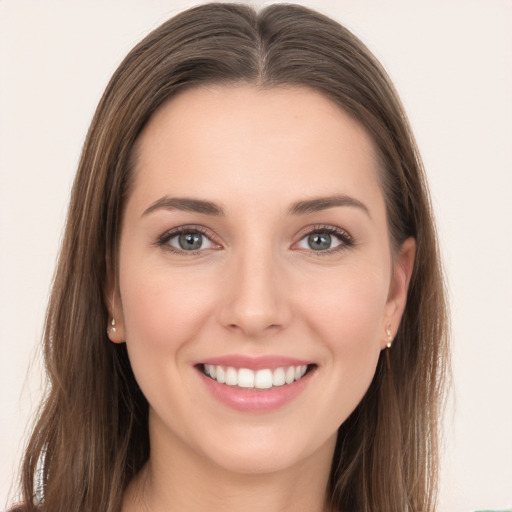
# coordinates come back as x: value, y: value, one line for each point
x: 256, y: 464
x: 265, y: 454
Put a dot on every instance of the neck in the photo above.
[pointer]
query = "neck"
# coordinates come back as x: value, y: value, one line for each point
x: 178, y: 481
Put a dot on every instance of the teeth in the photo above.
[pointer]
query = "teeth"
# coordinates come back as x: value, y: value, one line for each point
x: 231, y: 377
x: 278, y: 377
x: 245, y: 378
x: 260, y: 379
x: 263, y: 379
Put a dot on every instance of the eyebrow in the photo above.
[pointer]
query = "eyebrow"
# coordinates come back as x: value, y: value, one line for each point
x: 324, y: 203
x: 298, y: 208
x: 185, y: 204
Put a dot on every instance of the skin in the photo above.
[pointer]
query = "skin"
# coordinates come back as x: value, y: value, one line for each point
x: 255, y: 288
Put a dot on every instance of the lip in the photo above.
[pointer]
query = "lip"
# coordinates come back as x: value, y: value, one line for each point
x: 255, y: 400
x: 254, y: 363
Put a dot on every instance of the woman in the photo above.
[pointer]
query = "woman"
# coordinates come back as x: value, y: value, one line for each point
x: 248, y: 310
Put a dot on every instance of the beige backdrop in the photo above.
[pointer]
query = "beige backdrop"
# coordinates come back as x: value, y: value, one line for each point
x: 452, y: 64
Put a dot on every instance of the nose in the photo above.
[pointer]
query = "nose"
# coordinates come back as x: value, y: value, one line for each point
x: 255, y: 299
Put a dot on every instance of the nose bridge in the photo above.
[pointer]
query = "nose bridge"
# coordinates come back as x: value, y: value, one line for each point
x: 255, y: 296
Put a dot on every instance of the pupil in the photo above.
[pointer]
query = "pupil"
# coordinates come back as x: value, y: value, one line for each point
x: 319, y: 241
x: 190, y: 241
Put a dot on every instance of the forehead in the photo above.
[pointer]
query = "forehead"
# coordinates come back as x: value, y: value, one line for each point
x: 225, y: 141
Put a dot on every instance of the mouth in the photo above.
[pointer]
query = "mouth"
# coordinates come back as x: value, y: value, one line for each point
x: 256, y: 384
x: 261, y: 379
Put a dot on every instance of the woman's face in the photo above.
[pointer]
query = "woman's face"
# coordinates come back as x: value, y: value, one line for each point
x: 254, y: 247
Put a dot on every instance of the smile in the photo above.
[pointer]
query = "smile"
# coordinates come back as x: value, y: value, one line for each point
x: 246, y: 378
x: 256, y: 384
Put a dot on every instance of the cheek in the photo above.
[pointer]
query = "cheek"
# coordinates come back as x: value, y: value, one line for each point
x: 163, y: 312
x: 163, y: 309
x: 345, y: 313
x: 350, y: 300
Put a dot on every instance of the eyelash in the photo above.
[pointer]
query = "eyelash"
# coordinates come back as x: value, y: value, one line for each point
x: 346, y: 240
x: 163, y: 240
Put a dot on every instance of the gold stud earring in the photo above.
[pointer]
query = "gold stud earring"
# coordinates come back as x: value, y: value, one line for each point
x: 388, y: 334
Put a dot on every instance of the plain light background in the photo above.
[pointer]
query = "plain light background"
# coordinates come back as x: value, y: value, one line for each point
x: 451, y: 62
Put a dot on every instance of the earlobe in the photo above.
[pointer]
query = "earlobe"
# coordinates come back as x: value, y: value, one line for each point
x: 114, y: 334
x: 397, y: 298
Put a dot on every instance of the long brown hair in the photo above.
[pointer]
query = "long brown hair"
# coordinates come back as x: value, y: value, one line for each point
x: 92, y: 434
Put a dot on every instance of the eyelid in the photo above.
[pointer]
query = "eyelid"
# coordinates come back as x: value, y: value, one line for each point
x: 162, y: 240
x: 345, y: 238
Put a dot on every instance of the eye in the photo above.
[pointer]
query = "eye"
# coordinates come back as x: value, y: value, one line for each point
x: 325, y: 239
x: 186, y: 239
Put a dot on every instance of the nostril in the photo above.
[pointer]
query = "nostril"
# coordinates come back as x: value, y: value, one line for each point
x: 254, y: 326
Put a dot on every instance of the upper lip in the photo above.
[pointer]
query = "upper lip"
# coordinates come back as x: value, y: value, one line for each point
x: 255, y: 363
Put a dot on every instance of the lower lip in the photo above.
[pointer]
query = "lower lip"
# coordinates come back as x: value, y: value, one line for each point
x: 255, y: 400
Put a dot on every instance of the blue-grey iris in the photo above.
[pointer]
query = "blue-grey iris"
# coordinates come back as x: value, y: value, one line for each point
x: 319, y: 241
x: 190, y: 241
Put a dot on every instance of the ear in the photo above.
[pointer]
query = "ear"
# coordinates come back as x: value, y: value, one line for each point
x: 400, y: 279
x: 115, y: 325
